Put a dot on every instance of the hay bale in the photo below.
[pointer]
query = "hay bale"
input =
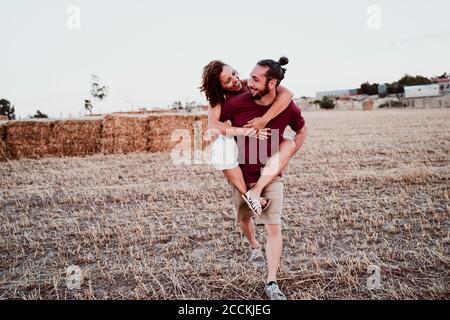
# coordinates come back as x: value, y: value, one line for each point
x: 124, y: 134
x: 4, y: 118
x: 76, y: 137
x: 4, y: 154
x: 29, y: 139
x: 368, y: 105
x: 162, y: 127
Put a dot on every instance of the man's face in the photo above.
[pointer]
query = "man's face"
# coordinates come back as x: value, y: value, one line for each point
x: 258, y: 84
x: 229, y: 79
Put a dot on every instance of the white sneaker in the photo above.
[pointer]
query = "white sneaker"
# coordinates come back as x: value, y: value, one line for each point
x: 257, y: 257
x: 253, y: 203
x: 273, y: 292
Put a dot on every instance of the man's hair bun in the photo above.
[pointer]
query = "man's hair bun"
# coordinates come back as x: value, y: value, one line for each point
x: 283, y: 61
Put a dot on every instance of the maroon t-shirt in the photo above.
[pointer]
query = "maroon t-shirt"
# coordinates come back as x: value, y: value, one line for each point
x: 254, y: 153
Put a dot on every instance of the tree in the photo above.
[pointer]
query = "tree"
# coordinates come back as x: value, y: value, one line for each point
x: 88, y: 105
x: 327, y: 103
x: 368, y: 88
x: 189, y: 106
x: 177, y: 105
x: 395, y: 88
x: 7, y: 109
x: 39, y: 115
x: 98, y: 92
x: 408, y: 80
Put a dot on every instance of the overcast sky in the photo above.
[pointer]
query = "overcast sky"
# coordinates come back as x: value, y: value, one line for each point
x: 151, y: 53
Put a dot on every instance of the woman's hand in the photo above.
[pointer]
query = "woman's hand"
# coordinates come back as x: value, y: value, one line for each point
x: 262, y: 134
x: 257, y: 123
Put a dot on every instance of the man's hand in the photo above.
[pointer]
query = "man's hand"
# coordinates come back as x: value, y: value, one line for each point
x: 257, y: 123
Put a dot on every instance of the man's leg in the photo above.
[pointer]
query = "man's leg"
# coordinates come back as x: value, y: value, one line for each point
x: 274, y: 166
x: 274, y: 246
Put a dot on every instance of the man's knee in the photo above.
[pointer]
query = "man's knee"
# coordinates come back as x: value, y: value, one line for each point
x: 273, y: 230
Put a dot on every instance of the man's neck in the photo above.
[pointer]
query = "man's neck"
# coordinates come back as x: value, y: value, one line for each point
x: 268, y: 99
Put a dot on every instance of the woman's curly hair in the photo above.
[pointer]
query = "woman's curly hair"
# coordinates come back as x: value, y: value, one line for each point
x: 211, y: 86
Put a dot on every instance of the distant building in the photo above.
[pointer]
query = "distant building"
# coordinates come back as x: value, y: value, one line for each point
x: 382, y: 89
x: 336, y: 93
x: 430, y: 90
x: 444, y: 84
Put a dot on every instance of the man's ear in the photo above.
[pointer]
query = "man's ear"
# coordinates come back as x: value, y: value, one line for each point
x: 272, y: 84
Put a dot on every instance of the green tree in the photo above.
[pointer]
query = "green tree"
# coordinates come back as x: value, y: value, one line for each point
x: 368, y: 88
x: 398, y: 87
x: 327, y: 103
x: 88, y: 105
x: 408, y: 80
x: 99, y: 91
x: 177, y: 105
x: 6, y: 109
x: 39, y: 115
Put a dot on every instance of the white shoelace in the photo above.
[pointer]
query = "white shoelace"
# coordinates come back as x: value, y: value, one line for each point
x: 256, y: 204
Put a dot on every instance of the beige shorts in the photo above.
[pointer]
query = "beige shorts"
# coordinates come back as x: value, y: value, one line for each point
x: 274, y: 192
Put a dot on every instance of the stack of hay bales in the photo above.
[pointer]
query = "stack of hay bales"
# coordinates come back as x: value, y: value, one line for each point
x: 38, y: 138
x: 124, y: 134
x: 111, y: 135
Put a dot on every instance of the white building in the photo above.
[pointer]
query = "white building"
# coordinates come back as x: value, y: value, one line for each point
x: 430, y: 90
x: 444, y: 84
x: 336, y: 93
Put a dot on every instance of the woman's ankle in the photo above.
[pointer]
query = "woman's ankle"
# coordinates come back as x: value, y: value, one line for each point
x: 255, y: 191
x: 255, y: 246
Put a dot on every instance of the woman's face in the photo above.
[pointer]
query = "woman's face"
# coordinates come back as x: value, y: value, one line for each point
x: 229, y: 79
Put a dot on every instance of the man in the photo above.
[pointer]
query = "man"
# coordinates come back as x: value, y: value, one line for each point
x: 265, y: 78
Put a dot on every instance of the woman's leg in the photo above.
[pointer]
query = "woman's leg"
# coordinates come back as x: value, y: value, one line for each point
x: 276, y: 163
x: 236, y: 177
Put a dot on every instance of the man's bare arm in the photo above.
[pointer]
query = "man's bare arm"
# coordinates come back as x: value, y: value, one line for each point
x: 300, y: 138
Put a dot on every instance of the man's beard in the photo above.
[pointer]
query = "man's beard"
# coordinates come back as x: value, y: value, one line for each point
x: 262, y: 93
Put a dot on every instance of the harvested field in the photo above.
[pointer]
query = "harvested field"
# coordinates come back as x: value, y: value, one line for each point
x: 367, y: 188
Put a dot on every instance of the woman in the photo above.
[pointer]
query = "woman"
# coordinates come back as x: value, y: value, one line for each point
x: 219, y: 83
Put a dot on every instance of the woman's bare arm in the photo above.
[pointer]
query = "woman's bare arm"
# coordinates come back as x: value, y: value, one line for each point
x: 281, y: 102
x: 216, y: 125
